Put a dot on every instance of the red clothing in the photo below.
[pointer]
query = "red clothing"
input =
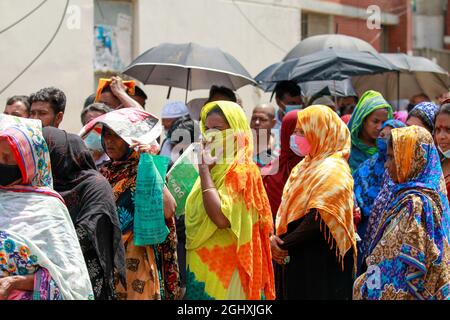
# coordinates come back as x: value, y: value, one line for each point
x: 346, y: 118
x: 277, y: 172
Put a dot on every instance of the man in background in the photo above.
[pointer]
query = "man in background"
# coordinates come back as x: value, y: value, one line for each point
x: 48, y: 105
x: 18, y: 106
x: 262, y: 122
x: 288, y: 97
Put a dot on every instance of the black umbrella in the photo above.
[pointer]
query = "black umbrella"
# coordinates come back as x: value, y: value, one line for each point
x: 188, y: 66
x: 328, y: 41
x: 342, y: 88
x: 328, y: 64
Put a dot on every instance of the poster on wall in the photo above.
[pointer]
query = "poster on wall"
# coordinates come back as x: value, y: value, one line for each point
x: 113, y: 45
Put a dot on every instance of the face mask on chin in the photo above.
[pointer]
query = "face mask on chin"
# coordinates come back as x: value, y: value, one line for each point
x: 9, y: 174
x: 446, y: 154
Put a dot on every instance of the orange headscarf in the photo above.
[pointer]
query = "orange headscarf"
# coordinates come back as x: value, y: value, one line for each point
x: 323, y: 180
x: 103, y: 82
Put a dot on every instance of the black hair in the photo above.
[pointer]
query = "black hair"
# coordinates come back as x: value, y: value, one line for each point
x: 24, y: 99
x: 411, y: 105
x: 89, y: 100
x: 422, y: 95
x: 289, y: 87
x: 444, y: 109
x: 54, y: 96
x: 224, y: 91
x: 138, y: 92
x: 97, y: 106
x: 106, y: 88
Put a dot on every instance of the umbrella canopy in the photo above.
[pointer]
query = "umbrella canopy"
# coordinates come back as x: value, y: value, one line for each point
x: 416, y: 75
x: 265, y: 77
x: 327, y: 41
x: 328, y: 64
x: 343, y: 88
x: 188, y: 66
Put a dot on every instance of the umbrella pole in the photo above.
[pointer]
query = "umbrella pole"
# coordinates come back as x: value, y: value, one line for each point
x: 335, y: 94
x: 187, y: 85
x: 398, y: 90
x: 168, y: 93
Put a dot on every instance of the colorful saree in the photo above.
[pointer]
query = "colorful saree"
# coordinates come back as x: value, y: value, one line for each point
x: 235, y: 262
x: 369, y: 102
x: 410, y: 254
x: 16, y: 259
x: 368, y: 182
x: 36, y: 233
x: 152, y: 270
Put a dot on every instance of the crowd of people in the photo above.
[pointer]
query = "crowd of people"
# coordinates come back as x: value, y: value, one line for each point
x: 310, y: 198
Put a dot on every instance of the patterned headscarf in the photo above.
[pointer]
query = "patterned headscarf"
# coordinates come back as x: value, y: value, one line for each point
x: 418, y: 264
x: 32, y: 156
x: 323, y: 180
x: 368, y: 177
x: 425, y: 111
x: 370, y: 101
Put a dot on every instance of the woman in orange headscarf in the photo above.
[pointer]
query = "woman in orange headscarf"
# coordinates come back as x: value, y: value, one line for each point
x: 315, y: 233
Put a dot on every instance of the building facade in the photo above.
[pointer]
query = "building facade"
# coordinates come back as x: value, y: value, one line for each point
x: 71, y: 44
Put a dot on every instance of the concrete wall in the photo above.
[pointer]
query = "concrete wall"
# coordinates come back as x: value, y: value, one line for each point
x: 66, y: 64
x: 257, y: 32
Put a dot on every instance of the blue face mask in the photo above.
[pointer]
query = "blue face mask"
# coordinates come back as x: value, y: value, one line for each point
x: 292, y: 107
x: 93, y: 141
x: 382, y: 145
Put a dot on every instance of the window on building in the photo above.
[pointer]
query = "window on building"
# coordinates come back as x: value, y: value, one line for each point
x: 314, y: 24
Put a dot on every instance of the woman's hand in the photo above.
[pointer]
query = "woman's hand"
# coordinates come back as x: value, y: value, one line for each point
x: 117, y: 86
x: 141, y: 148
x: 205, y: 160
x: 6, y: 286
x: 119, y: 90
x: 278, y: 254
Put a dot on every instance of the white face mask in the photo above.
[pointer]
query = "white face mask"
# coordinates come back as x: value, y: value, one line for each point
x: 446, y: 154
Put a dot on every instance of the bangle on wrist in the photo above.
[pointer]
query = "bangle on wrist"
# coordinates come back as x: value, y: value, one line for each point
x: 208, y: 189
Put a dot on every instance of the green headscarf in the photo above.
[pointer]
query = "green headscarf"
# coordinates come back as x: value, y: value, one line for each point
x: 369, y: 102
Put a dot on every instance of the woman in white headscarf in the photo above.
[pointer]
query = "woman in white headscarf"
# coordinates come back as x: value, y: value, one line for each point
x: 40, y: 256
